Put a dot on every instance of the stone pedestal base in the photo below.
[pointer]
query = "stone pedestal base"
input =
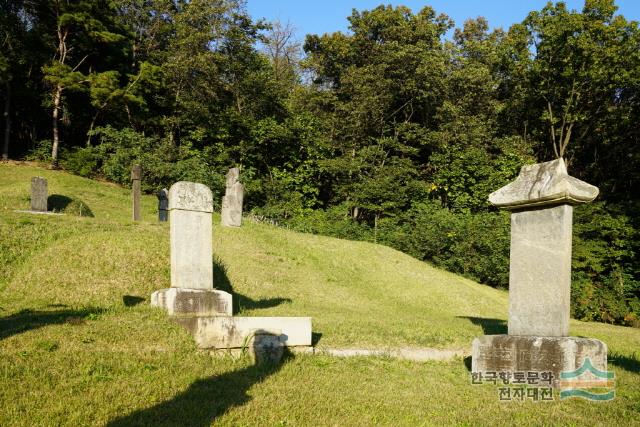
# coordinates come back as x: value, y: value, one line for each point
x: 193, y: 302
x: 512, y: 353
x: 226, y: 332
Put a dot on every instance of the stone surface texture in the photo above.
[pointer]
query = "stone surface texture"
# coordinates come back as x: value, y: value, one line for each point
x: 543, y: 184
x: 163, y: 205
x: 226, y: 332
x: 136, y: 192
x: 266, y: 347
x: 193, y: 302
x: 540, y: 271
x: 507, y: 353
x: 231, y: 215
x: 190, y: 229
x: 39, y: 194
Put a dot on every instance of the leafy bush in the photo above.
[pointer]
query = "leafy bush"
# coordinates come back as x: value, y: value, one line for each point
x: 41, y: 152
x: 162, y: 163
x: 606, y: 286
x: 82, y: 161
x: 474, y: 245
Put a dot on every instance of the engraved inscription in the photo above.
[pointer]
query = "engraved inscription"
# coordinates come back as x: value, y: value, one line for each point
x: 190, y: 196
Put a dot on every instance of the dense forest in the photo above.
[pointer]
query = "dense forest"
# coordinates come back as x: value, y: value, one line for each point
x: 395, y: 131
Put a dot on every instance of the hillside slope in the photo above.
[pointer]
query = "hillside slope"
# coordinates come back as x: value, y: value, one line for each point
x: 76, y: 329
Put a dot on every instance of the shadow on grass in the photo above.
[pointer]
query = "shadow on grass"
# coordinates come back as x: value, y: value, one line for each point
x: 60, y: 203
x: 26, y: 320
x: 221, y: 281
x: 631, y: 364
x: 315, y: 338
x: 204, y: 400
x: 131, y: 300
x: 489, y: 326
x: 467, y: 362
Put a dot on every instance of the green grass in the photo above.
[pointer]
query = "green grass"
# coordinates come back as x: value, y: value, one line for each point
x: 79, y: 344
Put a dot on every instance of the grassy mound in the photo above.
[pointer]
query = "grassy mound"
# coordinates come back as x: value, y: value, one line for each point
x: 79, y: 344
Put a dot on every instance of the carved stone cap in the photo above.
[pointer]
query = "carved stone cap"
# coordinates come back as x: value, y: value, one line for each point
x: 190, y: 196
x: 543, y: 184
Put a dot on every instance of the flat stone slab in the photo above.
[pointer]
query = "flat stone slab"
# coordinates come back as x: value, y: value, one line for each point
x: 413, y: 354
x: 38, y: 212
x: 226, y: 332
x: 193, y: 302
x: 510, y: 353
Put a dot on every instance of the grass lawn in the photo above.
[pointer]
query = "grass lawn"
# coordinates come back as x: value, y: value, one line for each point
x: 79, y: 344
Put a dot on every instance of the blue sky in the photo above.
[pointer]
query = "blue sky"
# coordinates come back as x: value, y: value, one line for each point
x: 317, y: 17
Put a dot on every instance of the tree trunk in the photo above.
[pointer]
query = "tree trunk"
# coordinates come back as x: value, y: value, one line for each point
x: 57, y: 97
x: 93, y: 122
x: 375, y: 228
x: 7, y: 123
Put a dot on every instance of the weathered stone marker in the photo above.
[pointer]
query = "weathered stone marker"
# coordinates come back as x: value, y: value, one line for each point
x: 163, y: 205
x: 39, y: 194
x: 191, y: 206
x: 136, y: 176
x: 541, y: 202
x: 232, y: 200
x: 190, y: 231
x: 207, y: 312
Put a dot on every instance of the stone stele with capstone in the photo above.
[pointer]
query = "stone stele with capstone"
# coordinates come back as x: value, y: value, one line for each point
x: 207, y: 312
x: 190, y: 230
x: 541, y: 201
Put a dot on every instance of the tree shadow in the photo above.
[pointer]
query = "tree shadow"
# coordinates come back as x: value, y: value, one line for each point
x: 489, y: 326
x: 204, y: 400
x: 60, y: 203
x: 131, y: 300
x: 467, y: 362
x: 26, y: 320
x: 315, y: 338
x: 221, y: 281
x: 631, y: 364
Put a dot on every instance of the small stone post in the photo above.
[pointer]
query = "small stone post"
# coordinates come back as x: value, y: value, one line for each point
x: 136, y: 176
x: 39, y: 194
x: 541, y: 202
x: 232, y: 200
x: 191, y: 238
x: 163, y: 205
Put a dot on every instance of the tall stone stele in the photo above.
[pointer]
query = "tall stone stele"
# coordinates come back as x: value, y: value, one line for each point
x: 136, y: 176
x: 541, y: 202
x: 190, y: 230
x: 232, y: 200
x: 39, y: 194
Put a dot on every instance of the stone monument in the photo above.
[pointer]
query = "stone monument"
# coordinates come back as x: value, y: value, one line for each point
x: 136, y: 176
x: 39, y: 194
x: 207, y: 312
x: 232, y: 200
x: 541, y: 202
x: 190, y: 231
x: 163, y: 205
